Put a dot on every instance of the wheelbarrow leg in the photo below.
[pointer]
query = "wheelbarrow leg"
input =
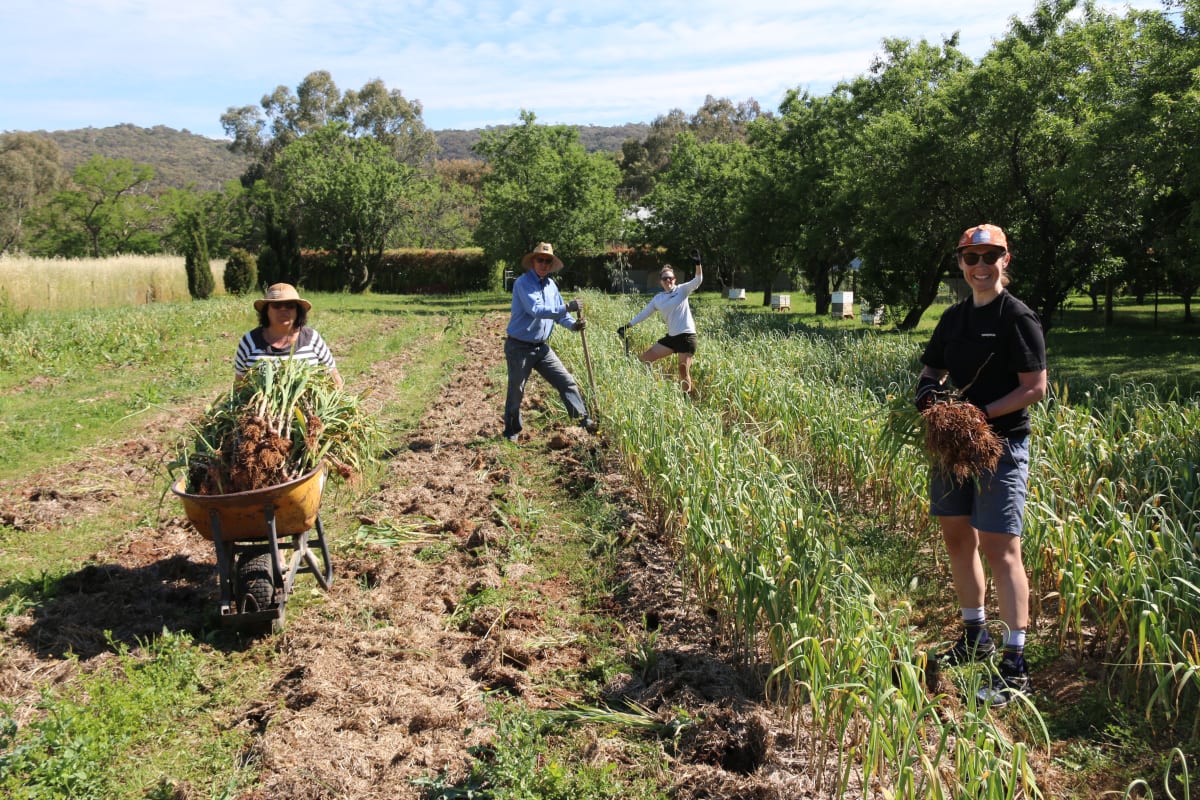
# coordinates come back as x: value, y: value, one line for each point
x: 305, y: 560
x: 224, y: 563
x: 276, y: 559
x: 324, y: 575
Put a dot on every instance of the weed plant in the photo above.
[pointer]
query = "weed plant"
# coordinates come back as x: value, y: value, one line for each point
x: 140, y: 724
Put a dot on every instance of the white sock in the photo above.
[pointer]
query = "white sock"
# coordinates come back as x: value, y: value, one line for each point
x: 1015, y: 641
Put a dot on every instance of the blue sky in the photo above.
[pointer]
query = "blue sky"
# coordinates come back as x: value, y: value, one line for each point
x: 94, y: 63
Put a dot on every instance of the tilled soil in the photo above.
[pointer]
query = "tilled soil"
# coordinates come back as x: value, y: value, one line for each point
x: 380, y: 679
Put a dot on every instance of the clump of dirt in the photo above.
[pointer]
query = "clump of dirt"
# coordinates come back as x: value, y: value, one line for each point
x: 735, y: 741
x: 252, y: 456
x: 959, y: 439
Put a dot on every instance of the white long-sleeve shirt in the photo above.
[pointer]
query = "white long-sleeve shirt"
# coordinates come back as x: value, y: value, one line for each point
x: 674, y: 307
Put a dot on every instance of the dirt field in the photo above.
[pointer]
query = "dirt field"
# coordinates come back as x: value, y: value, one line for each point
x: 368, y: 708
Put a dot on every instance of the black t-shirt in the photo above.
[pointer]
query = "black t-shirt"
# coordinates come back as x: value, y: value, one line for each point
x: 984, y: 348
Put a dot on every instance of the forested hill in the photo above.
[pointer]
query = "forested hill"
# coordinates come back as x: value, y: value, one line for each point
x: 183, y: 159
x: 594, y: 138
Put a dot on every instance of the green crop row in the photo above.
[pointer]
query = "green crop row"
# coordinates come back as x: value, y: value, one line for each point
x: 793, y: 428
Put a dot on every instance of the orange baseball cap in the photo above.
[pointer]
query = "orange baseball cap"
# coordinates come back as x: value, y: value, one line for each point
x: 983, y: 235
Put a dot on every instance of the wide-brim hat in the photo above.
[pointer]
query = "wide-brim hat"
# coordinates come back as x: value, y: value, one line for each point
x: 985, y: 234
x: 282, y: 293
x: 542, y: 249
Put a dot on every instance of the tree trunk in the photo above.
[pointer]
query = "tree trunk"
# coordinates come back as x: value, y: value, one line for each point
x: 824, y: 299
x: 769, y: 289
x: 927, y: 291
x: 911, y: 319
x: 1108, y: 301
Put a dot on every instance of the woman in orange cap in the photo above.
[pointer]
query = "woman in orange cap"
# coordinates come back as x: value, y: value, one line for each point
x: 992, y: 349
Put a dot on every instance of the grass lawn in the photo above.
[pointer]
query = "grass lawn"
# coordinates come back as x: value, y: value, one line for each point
x: 1141, y: 345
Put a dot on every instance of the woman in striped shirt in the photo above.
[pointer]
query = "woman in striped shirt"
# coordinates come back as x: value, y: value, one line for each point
x: 282, y: 332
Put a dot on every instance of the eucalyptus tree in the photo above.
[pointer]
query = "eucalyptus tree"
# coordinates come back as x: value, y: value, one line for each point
x: 346, y: 194
x: 31, y: 172
x: 541, y: 185
x: 911, y: 172
x: 642, y: 160
x: 374, y: 111
x: 697, y: 203
x: 105, y: 210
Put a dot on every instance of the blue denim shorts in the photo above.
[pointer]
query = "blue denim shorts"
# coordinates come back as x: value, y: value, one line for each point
x: 996, y: 501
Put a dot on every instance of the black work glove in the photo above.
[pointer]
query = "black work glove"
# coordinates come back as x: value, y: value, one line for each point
x: 573, y: 305
x: 696, y: 257
x: 621, y: 331
x: 929, y: 391
x: 580, y: 324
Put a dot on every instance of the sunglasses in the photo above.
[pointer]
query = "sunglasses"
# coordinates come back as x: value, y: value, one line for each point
x: 666, y: 278
x: 543, y: 260
x: 286, y: 306
x: 989, y: 258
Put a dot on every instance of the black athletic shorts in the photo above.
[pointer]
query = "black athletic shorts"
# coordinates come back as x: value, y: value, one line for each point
x: 680, y: 343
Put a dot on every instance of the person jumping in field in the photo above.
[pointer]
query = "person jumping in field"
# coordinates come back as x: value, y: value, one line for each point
x: 992, y: 348
x: 672, y: 303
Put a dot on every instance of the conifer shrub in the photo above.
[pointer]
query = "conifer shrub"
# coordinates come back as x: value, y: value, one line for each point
x: 195, y: 258
x: 241, y: 272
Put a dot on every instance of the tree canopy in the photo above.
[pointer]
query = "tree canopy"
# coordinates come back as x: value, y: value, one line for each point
x: 31, y: 173
x: 542, y: 186
x: 345, y: 194
x: 373, y: 111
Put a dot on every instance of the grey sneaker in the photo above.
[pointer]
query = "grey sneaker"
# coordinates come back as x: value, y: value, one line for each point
x: 1010, y: 680
x: 965, y: 651
x: 590, y: 425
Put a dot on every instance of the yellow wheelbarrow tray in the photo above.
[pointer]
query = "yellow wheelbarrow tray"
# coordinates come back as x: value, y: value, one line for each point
x: 250, y: 531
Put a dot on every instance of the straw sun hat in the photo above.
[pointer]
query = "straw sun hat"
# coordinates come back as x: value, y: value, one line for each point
x: 282, y: 293
x: 542, y: 249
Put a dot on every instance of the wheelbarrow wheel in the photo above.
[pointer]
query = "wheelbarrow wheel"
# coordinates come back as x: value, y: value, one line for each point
x: 255, y: 583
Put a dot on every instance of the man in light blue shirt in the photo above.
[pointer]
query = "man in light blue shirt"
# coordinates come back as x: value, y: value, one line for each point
x: 536, y: 307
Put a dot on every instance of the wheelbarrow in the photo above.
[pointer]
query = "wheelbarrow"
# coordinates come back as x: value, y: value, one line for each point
x: 251, y: 531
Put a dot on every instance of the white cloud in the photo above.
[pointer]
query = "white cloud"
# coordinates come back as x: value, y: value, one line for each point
x: 73, y: 63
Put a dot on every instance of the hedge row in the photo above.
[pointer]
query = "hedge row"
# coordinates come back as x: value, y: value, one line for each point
x: 466, y: 270
x: 407, y: 272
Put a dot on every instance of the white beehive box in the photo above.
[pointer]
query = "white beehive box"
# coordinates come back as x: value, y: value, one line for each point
x: 843, y: 305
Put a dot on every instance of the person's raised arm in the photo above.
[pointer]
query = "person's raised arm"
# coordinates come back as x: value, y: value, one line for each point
x: 697, y: 278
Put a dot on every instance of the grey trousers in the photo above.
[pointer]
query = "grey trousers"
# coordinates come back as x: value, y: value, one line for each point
x: 523, y: 359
